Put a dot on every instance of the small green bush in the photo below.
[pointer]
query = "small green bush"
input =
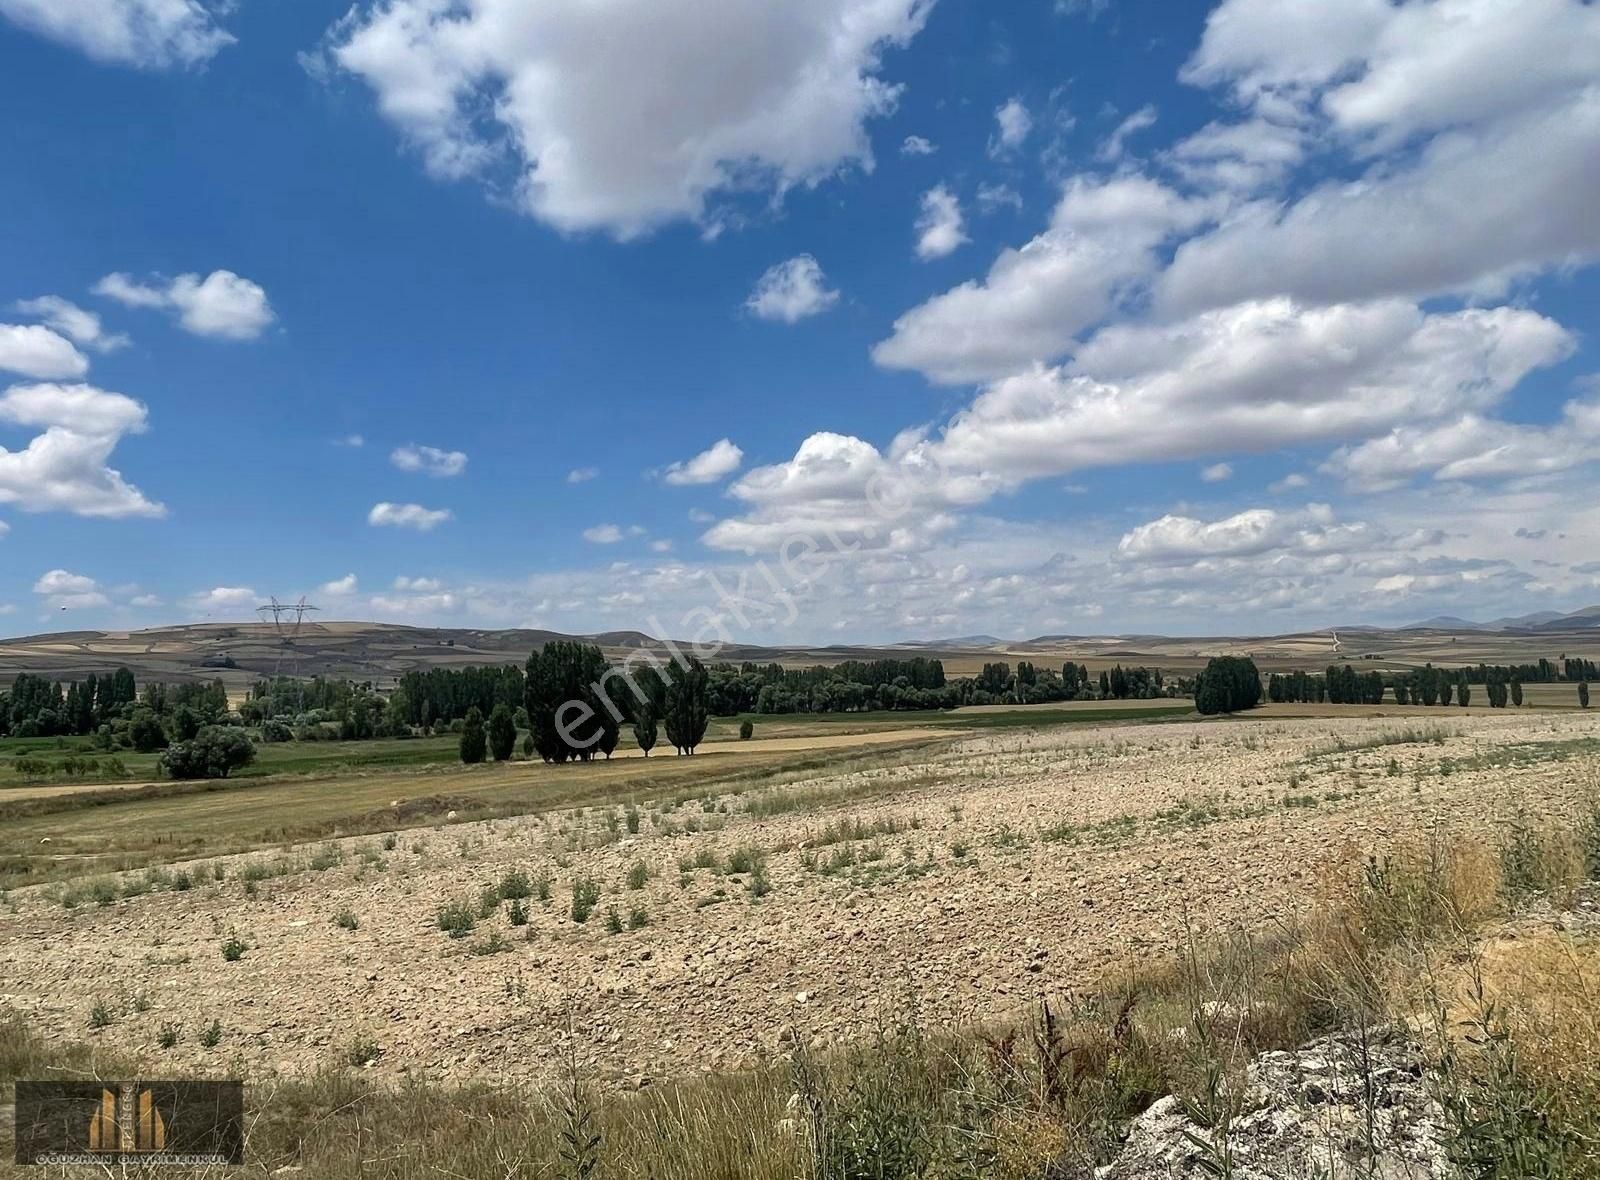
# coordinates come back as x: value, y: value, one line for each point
x: 515, y: 885
x: 585, y: 896
x: 457, y: 919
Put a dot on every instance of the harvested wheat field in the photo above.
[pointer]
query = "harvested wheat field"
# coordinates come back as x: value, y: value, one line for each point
x: 965, y: 880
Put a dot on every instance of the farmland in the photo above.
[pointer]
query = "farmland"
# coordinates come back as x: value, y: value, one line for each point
x: 896, y: 865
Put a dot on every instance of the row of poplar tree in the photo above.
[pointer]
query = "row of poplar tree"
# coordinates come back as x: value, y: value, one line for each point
x: 576, y: 704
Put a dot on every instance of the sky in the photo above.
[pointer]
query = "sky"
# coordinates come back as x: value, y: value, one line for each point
x: 825, y: 321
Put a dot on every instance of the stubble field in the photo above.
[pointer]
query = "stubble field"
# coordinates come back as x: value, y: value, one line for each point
x: 737, y: 908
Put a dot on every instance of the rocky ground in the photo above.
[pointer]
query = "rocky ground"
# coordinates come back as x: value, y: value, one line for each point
x: 962, y: 885
x: 1346, y: 1107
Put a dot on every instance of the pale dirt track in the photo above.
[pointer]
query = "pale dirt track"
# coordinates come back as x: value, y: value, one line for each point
x: 716, y: 982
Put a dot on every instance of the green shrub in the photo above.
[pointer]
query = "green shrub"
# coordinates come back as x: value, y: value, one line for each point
x: 215, y: 752
x: 233, y: 949
x: 457, y: 919
x: 515, y: 885
x: 585, y: 896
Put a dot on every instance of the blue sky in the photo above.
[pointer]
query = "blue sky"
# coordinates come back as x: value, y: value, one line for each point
x: 1085, y: 317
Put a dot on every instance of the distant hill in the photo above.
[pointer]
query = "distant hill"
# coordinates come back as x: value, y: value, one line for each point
x: 1583, y: 619
x: 1536, y: 619
x: 1544, y: 620
x: 958, y: 643
x: 240, y: 653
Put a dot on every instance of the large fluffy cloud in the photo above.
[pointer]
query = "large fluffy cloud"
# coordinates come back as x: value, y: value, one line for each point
x: 151, y: 34
x: 1247, y: 378
x: 1388, y: 71
x: 1504, y: 100
x: 627, y: 115
x: 65, y: 468
x: 1252, y: 377
x: 1471, y: 447
x: 1245, y: 534
x: 1101, y: 241
x: 1477, y: 208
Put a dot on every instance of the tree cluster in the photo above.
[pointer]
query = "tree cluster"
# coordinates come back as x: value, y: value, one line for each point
x: 850, y: 687
x: 1346, y: 686
x: 214, y: 752
x: 1576, y: 669
x: 577, y: 702
x: 37, y: 708
x: 1227, y: 684
x: 440, y: 696
x: 1296, y: 688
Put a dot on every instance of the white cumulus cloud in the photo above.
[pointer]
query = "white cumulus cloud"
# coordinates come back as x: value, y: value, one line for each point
x: 35, y: 351
x: 222, y: 304
x: 1012, y: 124
x: 65, y: 468
x: 80, y: 325
x: 722, y: 458
x: 1034, y: 302
x: 236, y: 600
x: 940, y: 229
x: 625, y: 116
x: 432, y: 461
x: 149, y: 34
x: 408, y: 516
x: 64, y: 590
x: 792, y: 291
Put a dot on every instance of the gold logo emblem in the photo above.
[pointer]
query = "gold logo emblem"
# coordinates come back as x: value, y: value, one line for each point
x: 127, y: 1123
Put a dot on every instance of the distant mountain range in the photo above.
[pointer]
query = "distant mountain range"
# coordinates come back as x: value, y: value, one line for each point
x: 1543, y: 620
